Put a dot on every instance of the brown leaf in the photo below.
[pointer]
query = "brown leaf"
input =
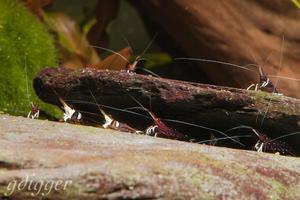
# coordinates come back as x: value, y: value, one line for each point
x: 75, y: 47
x: 36, y: 6
x: 114, y: 61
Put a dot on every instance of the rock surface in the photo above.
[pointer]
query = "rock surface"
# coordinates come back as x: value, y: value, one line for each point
x: 104, y: 164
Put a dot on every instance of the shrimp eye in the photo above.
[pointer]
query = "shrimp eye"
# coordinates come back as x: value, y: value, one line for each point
x: 76, y: 116
x: 79, y: 116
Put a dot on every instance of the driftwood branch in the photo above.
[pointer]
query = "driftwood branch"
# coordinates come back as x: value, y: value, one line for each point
x: 210, y: 106
x: 101, y: 164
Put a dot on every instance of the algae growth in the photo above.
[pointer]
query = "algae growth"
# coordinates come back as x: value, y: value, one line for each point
x: 25, y: 48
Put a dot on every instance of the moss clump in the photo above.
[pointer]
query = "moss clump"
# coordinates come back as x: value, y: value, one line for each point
x: 25, y: 48
x: 266, y: 95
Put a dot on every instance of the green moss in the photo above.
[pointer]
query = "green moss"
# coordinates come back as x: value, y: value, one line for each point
x: 25, y: 48
x: 266, y: 95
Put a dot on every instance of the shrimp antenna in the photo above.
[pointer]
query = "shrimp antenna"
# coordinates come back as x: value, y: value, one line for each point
x: 149, y: 45
x: 243, y: 127
x: 277, y: 81
x: 109, y: 50
x: 26, y: 78
x: 181, y: 122
x: 203, y: 127
x: 94, y: 98
x: 126, y: 110
x: 285, y: 77
x: 128, y: 44
x: 139, y: 58
x: 220, y: 62
x: 59, y: 98
x: 150, y: 113
x: 261, y: 71
x: 145, y: 50
x: 283, y: 136
x: 225, y: 138
x: 149, y: 71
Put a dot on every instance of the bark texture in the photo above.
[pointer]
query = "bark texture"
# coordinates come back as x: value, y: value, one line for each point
x: 104, y: 164
x: 211, y: 106
x: 240, y: 32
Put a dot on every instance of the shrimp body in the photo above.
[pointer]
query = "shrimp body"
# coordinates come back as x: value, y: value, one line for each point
x: 35, y: 112
x: 265, y: 144
x: 160, y: 129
